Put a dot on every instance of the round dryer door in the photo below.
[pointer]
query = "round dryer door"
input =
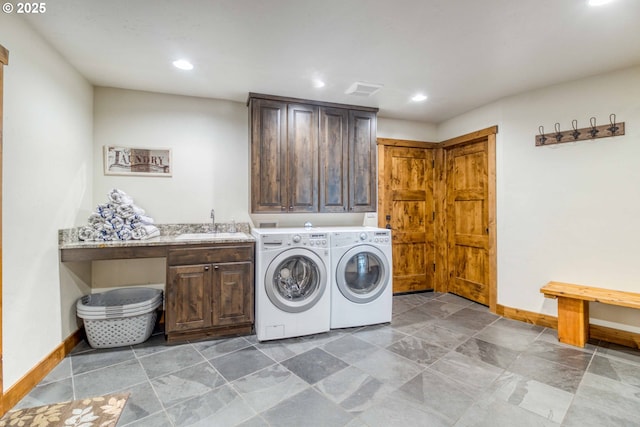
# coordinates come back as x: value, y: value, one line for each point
x: 295, y: 280
x: 362, y: 274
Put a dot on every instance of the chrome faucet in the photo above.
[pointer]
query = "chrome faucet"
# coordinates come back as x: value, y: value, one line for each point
x: 213, y: 221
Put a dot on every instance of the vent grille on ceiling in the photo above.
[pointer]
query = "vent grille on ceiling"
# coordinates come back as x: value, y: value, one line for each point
x: 363, y: 89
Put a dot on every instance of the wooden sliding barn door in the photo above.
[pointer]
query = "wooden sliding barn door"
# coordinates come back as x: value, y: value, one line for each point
x: 470, y: 216
x: 4, y: 60
x: 406, y: 206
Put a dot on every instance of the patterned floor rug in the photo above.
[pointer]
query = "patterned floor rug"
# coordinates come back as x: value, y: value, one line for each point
x: 101, y: 411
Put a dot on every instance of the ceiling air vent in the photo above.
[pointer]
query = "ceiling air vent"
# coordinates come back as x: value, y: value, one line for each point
x: 363, y: 89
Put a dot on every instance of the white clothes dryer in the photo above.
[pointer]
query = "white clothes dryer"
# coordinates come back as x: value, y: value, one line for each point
x: 292, y: 292
x: 361, y: 262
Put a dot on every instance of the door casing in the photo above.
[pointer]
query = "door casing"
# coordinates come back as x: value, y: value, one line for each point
x: 4, y: 60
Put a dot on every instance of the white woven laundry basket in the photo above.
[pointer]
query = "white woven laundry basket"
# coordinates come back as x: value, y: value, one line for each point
x: 115, y: 319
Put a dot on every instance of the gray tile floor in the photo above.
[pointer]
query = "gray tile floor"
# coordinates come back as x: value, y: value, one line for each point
x: 443, y: 361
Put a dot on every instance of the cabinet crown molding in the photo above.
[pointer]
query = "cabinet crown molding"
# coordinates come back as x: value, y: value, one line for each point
x: 253, y: 95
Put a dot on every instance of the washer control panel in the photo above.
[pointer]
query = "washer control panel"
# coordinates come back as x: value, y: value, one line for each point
x: 313, y: 240
x: 318, y: 240
x: 381, y: 236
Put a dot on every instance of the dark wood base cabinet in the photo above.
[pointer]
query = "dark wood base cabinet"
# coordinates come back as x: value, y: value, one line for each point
x: 209, y: 292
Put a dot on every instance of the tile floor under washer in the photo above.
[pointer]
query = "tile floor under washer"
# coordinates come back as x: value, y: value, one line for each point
x: 443, y: 361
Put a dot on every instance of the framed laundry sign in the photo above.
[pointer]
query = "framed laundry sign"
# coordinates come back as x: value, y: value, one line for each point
x: 137, y: 161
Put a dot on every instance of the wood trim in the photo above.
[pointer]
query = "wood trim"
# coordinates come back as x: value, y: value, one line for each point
x: 107, y: 253
x: 25, y: 384
x: 597, y: 332
x: 538, y: 319
x: 4, y: 60
x: 470, y: 137
x: 143, y: 250
x: 383, y: 187
x: 407, y: 143
x: 4, y: 55
x: 492, y: 223
x: 253, y: 95
x: 616, y: 336
x: 440, y: 223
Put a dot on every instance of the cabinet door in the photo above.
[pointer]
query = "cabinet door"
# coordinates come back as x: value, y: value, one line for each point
x: 302, y: 162
x: 269, y: 190
x: 188, y: 298
x: 362, y: 161
x: 232, y: 293
x: 333, y: 148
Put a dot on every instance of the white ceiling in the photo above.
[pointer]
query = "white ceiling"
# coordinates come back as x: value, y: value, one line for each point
x: 461, y: 53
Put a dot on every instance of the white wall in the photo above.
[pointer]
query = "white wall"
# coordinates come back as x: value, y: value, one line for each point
x: 47, y: 174
x: 406, y: 129
x: 568, y: 212
x: 210, y: 151
x: 209, y: 142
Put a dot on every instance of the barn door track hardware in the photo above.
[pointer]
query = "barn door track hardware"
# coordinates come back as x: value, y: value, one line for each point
x: 594, y: 131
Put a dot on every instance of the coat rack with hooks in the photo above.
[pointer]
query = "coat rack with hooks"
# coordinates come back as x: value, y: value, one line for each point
x: 592, y: 132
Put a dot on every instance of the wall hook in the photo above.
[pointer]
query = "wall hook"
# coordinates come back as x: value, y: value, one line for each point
x: 559, y: 134
x: 593, y: 131
x: 574, y: 125
x: 613, y: 129
x: 543, y: 138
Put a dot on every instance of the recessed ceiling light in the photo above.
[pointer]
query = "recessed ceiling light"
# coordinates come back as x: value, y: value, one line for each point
x: 419, y: 97
x: 599, y: 2
x: 318, y: 83
x: 183, y: 64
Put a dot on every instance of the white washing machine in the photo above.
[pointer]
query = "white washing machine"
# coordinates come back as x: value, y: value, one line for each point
x: 361, y: 263
x: 292, y: 292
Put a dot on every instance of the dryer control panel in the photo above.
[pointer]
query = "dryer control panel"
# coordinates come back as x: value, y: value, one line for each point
x: 347, y: 238
x: 313, y: 240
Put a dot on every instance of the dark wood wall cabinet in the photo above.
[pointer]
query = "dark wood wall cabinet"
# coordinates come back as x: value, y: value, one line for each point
x: 209, y: 291
x: 310, y: 156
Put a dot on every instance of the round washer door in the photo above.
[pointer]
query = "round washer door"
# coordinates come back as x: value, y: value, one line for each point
x: 362, y: 273
x: 295, y: 280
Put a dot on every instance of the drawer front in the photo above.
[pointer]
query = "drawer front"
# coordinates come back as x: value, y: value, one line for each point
x: 208, y: 255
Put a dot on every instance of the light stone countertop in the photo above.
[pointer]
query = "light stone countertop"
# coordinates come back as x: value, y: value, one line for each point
x: 68, y: 238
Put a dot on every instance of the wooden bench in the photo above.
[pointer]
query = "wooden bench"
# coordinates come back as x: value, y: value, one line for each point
x: 573, y: 307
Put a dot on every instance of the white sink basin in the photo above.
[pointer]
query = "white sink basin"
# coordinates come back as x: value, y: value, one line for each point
x: 211, y: 236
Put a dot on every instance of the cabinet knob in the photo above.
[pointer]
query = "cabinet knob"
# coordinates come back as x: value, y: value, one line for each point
x: 215, y: 267
x: 206, y: 268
